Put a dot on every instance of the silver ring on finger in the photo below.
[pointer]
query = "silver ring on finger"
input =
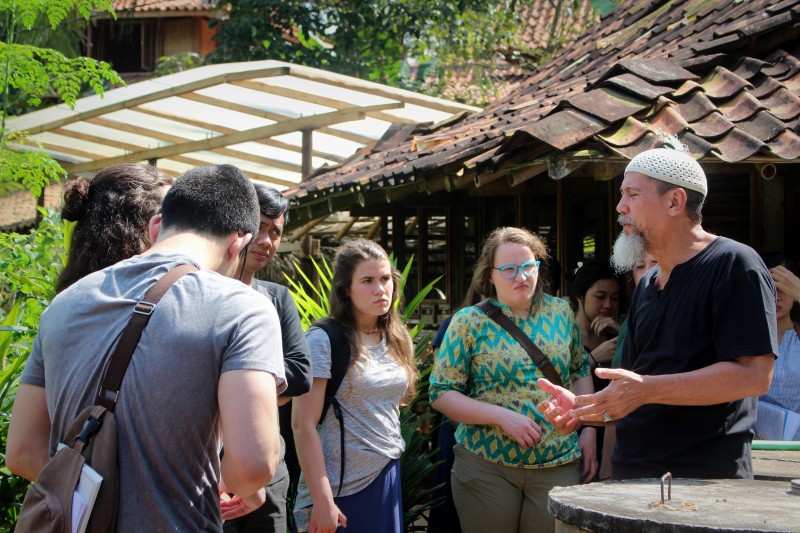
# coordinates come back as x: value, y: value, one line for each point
x: 606, y: 417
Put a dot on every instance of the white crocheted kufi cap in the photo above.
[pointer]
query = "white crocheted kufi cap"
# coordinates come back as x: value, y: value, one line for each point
x: 672, y: 166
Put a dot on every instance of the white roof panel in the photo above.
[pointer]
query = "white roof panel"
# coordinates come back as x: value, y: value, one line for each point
x: 248, y: 114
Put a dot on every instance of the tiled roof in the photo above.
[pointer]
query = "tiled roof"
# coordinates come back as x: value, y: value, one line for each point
x: 18, y: 210
x: 722, y: 75
x: 154, y: 6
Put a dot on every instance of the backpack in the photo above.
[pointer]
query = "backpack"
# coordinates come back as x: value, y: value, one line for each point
x: 50, y: 501
x: 341, y: 353
x: 340, y: 362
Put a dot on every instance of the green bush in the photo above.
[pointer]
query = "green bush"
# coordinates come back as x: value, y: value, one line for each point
x: 29, y: 266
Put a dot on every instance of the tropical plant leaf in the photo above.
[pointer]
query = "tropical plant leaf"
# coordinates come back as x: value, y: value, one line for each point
x: 415, y: 302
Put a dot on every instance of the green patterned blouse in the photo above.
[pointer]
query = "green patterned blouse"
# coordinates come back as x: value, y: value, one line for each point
x: 478, y: 357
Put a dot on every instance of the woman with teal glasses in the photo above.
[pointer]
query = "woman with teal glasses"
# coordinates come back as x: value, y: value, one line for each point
x: 507, y: 458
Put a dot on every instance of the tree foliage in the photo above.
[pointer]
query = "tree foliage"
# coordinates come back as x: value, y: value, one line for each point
x: 414, y: 44
x: 29, y: 266
x: 369, y: 39
x: 30, y: 263
x: 33, y: 72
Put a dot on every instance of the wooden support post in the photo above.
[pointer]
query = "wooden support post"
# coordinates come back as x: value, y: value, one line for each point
x: 308, y: 148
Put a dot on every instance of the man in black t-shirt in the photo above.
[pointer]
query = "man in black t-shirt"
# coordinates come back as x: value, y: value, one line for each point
x: 702, y: 335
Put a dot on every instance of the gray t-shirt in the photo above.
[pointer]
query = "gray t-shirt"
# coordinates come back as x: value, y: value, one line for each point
x: 369, y: 396
x: 167, y: 414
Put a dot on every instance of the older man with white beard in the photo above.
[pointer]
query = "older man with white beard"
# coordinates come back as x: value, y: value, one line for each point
x: 702, y: 335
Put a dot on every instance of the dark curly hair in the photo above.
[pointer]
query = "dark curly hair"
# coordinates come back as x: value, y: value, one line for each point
x: 112, y: 211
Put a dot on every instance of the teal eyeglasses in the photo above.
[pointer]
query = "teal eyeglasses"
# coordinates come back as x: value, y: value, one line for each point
x: 510, y: 271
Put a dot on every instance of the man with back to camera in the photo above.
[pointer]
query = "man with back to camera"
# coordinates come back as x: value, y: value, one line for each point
x: 702, y: 335
x: 206, y: 371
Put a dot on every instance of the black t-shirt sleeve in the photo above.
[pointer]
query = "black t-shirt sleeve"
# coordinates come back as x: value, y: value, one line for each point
x: 296, y: 353
x: 744, y: 321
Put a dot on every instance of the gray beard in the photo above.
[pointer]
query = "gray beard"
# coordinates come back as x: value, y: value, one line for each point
x: 628, y: 251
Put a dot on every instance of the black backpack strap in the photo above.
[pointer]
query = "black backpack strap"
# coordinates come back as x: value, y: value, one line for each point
x: 541, y: 360
x: 341, y: 354
x: 340, y: 360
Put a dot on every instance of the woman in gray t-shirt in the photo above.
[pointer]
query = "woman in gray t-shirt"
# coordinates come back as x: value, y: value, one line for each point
x: 380, y: 377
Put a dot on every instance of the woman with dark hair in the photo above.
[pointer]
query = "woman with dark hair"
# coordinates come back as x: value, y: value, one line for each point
x: 381, y: 377
x: 507, y: 458
x: 594, y: 294
x: 112, y: 211
x: 272, y: 516
x: 785, y: 388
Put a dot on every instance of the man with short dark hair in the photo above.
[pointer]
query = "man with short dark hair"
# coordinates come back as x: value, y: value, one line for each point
x: 205, y: 373
x: 702, y: 335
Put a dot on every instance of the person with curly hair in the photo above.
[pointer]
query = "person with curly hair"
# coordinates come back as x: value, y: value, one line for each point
x: 112, y: 211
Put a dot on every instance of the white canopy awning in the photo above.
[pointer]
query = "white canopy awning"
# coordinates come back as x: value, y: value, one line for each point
x: 261, y: 116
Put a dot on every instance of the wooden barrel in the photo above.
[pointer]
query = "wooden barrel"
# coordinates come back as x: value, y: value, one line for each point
x: 634, y: 506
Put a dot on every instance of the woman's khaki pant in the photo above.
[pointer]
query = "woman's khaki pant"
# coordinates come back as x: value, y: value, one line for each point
x: 504, y: 499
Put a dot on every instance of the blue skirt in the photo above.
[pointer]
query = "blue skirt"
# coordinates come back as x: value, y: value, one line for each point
x: 378, y: 508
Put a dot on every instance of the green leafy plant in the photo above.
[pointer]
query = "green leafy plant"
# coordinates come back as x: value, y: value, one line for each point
x: 417, y: 462
x: 29, y: 266
x: 177, y: 63
x: 34, y: 72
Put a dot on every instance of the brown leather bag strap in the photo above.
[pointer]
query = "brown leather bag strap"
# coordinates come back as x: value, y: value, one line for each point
x: 541, y: 360
x: 118, y: 363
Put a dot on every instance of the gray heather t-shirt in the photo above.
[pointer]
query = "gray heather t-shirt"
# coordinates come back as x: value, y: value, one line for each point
x: 167, y: 414
x: 370, y: 397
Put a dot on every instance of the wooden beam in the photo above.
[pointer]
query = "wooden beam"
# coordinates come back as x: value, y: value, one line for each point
x: 354, y: 137
x: 176, y: 90
x: 239, y: 154
x: 70, y: 151
x: 139, y: 130
x: 233, y: 106
x: 321, y: 100
x: 376, y: 89
x: 294, y: 94
x: 96, y: 139
x: 308, y: 226
x: 224, y: 130
x: 347, y: 135
x: 392, y: 119
x: 314, y: 121
x: 260, y: 176
x: 308, y: 146
x: 342, y: 232
x: 519, y: 176
x: 258, y: 159
x: 374, y: 229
